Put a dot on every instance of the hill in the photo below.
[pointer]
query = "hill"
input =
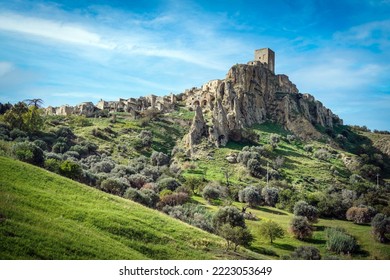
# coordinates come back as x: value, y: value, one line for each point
x: 46, y: 216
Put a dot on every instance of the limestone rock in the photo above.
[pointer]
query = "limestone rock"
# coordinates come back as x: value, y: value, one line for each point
x: 198, y: 129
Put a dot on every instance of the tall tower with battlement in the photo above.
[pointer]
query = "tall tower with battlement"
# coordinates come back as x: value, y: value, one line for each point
x: 266, y: 56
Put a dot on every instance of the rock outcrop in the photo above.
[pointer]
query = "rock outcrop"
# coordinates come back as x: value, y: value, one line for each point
x: 198, y: 129
x: 251, y: 94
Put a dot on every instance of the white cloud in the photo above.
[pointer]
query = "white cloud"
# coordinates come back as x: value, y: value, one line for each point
x: 5, y: 68
x: 368, y: 34
x: 59, y: 31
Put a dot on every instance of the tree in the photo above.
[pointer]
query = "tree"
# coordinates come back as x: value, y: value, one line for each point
x: 70, y: 169
x: 301, y: 227
x: 236, y: 235
x: 302, y: 208
x: 360, y: 215
x: 270, y: 229
x: 250, y: 195
x: 36, y: 102
x: 271, y: 195
x: 28, y: 152
x: 380, y: 227
x: 194, y: 183
x: 229, y: 215
x: 306, y: 253
x: 209, y: 193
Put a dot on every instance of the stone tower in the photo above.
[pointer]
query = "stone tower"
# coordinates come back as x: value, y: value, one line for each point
x: 266, y: 56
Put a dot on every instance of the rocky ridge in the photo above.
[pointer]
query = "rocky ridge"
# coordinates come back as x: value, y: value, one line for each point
x: 252, y: 94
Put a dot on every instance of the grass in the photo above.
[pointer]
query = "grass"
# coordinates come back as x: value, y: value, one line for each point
x: 46, y: 216
x: 369, y: 249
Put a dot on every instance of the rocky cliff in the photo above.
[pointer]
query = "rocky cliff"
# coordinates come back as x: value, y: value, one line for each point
x: 252, y: 94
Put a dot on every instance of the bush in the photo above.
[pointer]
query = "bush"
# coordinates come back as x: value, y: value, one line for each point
x: 53, y: 165
x: 360, y: 215
x: 71, y: 154
x: 270, y: 195
x: 70, y: 169
x: 146, y: 138
x: 229, y: 215
x: 28, y: 152
x: 146, y: 197
x: 193, y: 214
x: 59, y: 148
x: 168, y: 183
x: 306, y: 253
x: 113, y: 186
x: 105, y: 165
x: 322, y: 154
x: 173, y: 199
x: 210, y: 193
x: 302, y: 208
x: 159, y: 159
x: 300, y: 227
x: 250, y: 195
x: 270, y: 229
x: 274, y: 139
x: 255, y: 169
x: 340, y: 242
x: 17, y: 133
x: 380, y: 227
x: 81, y: 150
x: 138, y: 180
x: 41, y: 144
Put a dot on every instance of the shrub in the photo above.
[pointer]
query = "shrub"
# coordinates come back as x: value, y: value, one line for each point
x: 340, y: 242
x: 138, y: 180
x: 255, y: 169
x: 360, y: 215
x: 146, y: 138
x: 52, y: 165
x: 306, y: 253
x: 134, y: 195
x: 270, y: 229
x: 193, y: 214
x: 113, y: 186
x: 17, y: 133
x: 302, y: 208
x: 71, y: 154
x: 274, y: 139
x: 300, y: 227
x: 59, y: 148
x: 81, y: 150
x: 41, y: 144
x: 105, y: 166
x: 270, y: 195
x: 173, y: 199
x: 291, y: 138
x: 380, y: 227
x: 250, y: 195
x: 28, y: 152
x: 308, y: 148
x: 210, y: 193
x: 150, y: 197
x: 159, y: 159
x: 229, y: 215
x: 65, y: 132
x: 151, y: 172
x: 53, y: 156
x: 70, y: 169
x: 322, y: 154
x: 168, y: 183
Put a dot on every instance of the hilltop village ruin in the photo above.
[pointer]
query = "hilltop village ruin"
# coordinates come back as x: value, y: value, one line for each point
x: 250, y: 94
x: 203, y: 96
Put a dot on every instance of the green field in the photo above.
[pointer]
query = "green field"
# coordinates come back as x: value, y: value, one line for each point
x: 46, y: 216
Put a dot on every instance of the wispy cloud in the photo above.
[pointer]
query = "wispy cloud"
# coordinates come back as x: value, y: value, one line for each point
x: 5, y: 68
x: 376, y: 33
x: 50, y: 29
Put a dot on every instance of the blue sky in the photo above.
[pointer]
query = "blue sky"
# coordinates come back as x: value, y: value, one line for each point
x: 67, y: 52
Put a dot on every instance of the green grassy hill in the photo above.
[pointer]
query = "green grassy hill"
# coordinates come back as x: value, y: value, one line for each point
x: 46, y: 216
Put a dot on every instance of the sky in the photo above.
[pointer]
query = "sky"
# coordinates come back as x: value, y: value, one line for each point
x: 68, y: 52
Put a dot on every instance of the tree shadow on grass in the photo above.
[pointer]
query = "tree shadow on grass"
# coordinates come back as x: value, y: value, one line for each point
x: 264, y: 251
x: 315, y: 241
x: 275, y: 212
x: 284, y: 246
